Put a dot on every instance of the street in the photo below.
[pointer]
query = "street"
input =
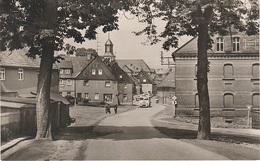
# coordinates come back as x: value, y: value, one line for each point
x: 128, y: 135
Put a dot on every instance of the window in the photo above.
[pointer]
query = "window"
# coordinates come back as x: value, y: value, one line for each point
x: 236, y: 43
x: 196, y: 70
x: 86, y: 83
x: 69, y: 82
x: 67, y: 71
x: 256, y: 100
x: 2, y: 73
x: 196, y: 100
x: 228, y: 100
x: 20, y: 74
x: 228, y: 71
x: 86, y: 95
x: 125, y: 86
x: 220, y: 44
x: 96, y: 96
x: 100, y: 72
x: 144, y: 80
x: 93, y: 72
x: 61, y: 71
x: 107, y: 84
x: 120, y: 76
x: 79, y: 95
x: 61, y: 82
x: 69, y: 93
x: 255, y: 71
x: 108, y: 97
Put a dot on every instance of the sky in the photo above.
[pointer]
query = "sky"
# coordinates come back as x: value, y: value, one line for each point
x: 129, y: 46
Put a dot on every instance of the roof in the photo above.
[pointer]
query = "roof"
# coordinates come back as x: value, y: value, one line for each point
x: 108, y: 42
x: 117, y: 71
x: 65, y: 64
x: 168, y: 81
x: 145, y: 74
x: 31, y: 93
x: 248, y: 46
x: 134, y: 64
x: 18, y: 58
x: 77, y: 62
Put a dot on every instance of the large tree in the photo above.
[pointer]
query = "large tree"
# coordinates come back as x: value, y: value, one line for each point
x: 42, y: 26
x: 201, y: 18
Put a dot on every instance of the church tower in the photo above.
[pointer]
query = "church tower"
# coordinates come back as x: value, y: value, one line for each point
x: 109, y: 55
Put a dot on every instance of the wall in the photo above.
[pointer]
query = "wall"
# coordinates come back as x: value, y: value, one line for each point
x: 242, y: 86
x: 97, y: 86
x: 165, y: 94
x: 30, y: 80
x: 128, y: 91
x: 147, y: 87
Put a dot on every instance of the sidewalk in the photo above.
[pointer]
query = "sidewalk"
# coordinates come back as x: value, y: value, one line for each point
x: 165, y: 117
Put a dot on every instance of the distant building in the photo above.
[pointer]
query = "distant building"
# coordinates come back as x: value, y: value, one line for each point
x: 93, y: 79
x: 134, y: 65
x: 233, y: 80
x: 19, y: 73
x: 147, y: 84
x: 125, y: 84
x: 166, y: 89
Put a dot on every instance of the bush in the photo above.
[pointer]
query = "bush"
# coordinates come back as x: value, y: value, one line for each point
x: 7, y: 134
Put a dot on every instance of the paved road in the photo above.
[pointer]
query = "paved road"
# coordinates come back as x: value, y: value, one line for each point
x: 130, y: 136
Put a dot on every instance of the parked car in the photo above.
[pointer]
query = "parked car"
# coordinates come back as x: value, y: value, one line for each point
x: 144, y: 101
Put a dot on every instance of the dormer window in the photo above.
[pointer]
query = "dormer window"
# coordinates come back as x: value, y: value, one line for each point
x: 236, y: 44
x: 93, y: 71
x: 67, y: 71
x: 220, y: 44
x: 100, y: 72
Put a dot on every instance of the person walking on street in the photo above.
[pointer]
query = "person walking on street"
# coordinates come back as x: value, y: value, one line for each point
x: 175, y: 104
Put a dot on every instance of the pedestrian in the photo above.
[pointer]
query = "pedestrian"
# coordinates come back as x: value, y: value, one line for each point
x: 107, y: 108
x: 175, y: 104
x: 115, y: 108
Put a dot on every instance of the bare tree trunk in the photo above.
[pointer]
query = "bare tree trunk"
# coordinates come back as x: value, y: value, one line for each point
x: 43, y: 108
x: 43, y: 94
x: 202, y: 75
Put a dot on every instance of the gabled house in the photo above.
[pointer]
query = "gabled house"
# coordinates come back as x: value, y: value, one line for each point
x: 233, y: 79
x: 126, y: 85
x: 166, y: 89
x: 93, y: 80
x: 19, y: 73
x: 135, y: 65
x: 147, y: 84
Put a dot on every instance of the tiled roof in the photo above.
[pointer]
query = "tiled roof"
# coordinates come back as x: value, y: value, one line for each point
x: 65, y: 64
x: 168, y: 81
x: 145, y: 74
x: 135, y: 65
x: 117, y: 71
x: 78, y: 63
x: 18, y: 58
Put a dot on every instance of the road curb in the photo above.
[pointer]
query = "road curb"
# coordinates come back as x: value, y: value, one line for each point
x: 12, y: 143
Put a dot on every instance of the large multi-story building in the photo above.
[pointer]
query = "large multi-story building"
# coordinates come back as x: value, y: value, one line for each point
x: 233, y: 79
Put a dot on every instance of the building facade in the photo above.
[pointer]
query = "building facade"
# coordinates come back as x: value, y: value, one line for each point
x: 233, y: 79
x: 19, y: 73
